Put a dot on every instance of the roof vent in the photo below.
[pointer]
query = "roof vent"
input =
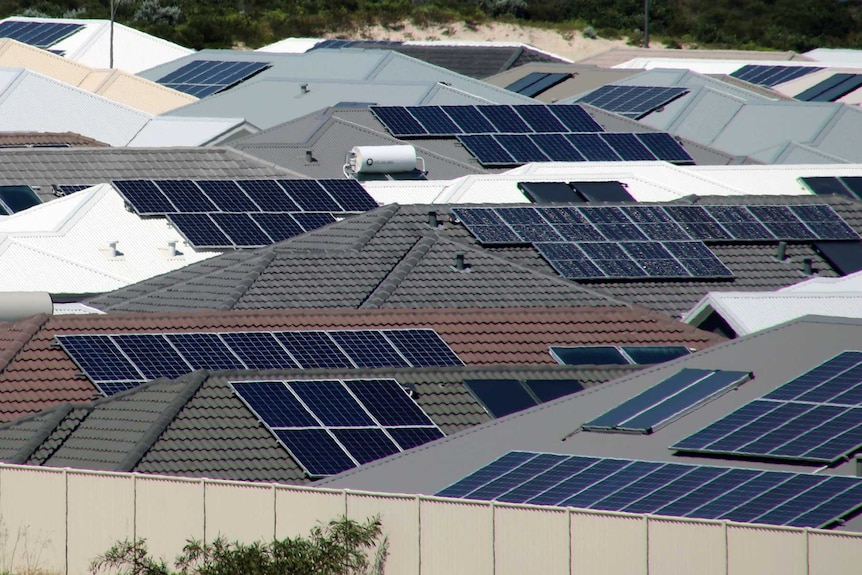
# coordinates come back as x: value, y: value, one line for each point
x: 309, y: 156
x: 111, y: 251
x: 806, y: 267
x: 304, y: 89
x: 459, y: 263
x: 432, y: 219
x: 781, y: 252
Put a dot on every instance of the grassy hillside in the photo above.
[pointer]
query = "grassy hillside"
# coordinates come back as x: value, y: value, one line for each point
x: 774, y: 24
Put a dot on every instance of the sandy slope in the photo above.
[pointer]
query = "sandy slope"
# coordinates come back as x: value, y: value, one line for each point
x: 570, y: 45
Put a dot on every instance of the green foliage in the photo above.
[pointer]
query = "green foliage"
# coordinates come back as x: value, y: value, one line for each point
x: 339, y: 548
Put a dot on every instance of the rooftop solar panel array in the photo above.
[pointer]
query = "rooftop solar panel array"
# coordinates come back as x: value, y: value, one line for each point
x: 14, y: 199
x: 616, y: 355
x: 450, y: 121
x: 697, y: 491
x: 831, y: 89
x: 221, y: 214
x: 632, y: 101
x: 502, y: 397
x: 39, y: 34
x: 769, y: 76
x: 536, y: 83
x: 116, y: 363
x: 504, y: 150
x: 203, y: 78
x: 330, y: 426
x: 815, y: 418
x: 850, y: 186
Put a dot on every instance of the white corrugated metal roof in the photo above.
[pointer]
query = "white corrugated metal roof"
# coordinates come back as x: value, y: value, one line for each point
x: 45, y: 248
x: 748, y: 312
x: 848, y: 283
x: 706, y: 65
x: 134, y: 50
x: 836, y: 56
x: 170, y: 131
x: 74, y: 308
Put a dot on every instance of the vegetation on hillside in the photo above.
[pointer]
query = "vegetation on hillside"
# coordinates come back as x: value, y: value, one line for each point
x: 774, y: 24
x: 340, y: 548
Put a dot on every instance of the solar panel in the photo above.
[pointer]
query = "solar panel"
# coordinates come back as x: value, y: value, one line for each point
x: 399, y: 121
x: 505, y: 119
x: 353, y: 421
x: 39, y: 34
x: 526, y: 81
x: 18, y: 198
x: 697, y: 222
x: 435, y: 120
x: 833, y: 88
x: 313, y: 220
x: 682, y: 490
x: 279, y: 227
x: 739, y: 222
x: 628, y: 147
x: 854, y: 184
x: 500, y: 397
x: 616, y: 355
x: 227, y: 196
x: 649, y: 354
x: 185, y: 195
x: 551, y: 389
x: 698, y: 259
x: 241, y: 229
x: 814, y: 418
x: 556, y: 147
x: 667, y: 401
x: 665, y: 147
x: 203, y: 78
x: 66, y: 189
x: 824, y: 222
x: 543, y: 84
x: 469, y: 119
x: 144, y: 197
x: 575, y: 118
x: 593, y: 147
x: 522, y: 149
x: 268, y: 195
x: 549, y: 192
x: 135, y: 358
x: 349, y: 194
x: 770, y: 76
x: 422, y: 347
x: 310, y: 195
x: 632, y: 101
x: 540, y: 119
x: 844, y: 257
x: 827, y: 185
x: 781, y: 221
x: 655, y: 223
x: 200, y: 231
x: 602, y: 191
x: 487, y: 150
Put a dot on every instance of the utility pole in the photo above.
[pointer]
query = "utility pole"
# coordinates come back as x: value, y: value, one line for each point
x: 646, y: 23
x: 111, y: 49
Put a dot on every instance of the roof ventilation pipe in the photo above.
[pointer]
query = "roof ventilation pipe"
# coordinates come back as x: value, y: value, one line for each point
x: 18, y: 305
x: 383, y: 160
x: 304, y: 89
x: 459, y: 262
x: 432, y: 219
x: 112, y: 249
x: 781, y: 252
x: 807, y: 269
x: 172, y: 249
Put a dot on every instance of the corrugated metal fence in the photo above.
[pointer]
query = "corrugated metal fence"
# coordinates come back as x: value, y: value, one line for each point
x: 60, y: 519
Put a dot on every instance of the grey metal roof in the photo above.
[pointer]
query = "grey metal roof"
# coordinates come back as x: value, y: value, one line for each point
x: 775, y: 356
x: 44, y: 167
x: 274, y: 95
x: 392, y: 258
x: 476, y: 61
x: 196, y: 426
x: 585, y: 78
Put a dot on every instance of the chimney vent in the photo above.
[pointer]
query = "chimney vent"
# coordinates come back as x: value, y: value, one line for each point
x: 459, y: 262
x: 304, y: 88
x: 806, y: 267
x: 172, y: 249
x: 432, y: 219
x: 309, y: 156
x: 112, y: 249
x: 781, y: 252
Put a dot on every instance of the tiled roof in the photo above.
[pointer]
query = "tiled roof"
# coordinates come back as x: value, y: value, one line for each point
x: 29, y: 139
x: 196, y: 426
x: 38, y: 374
x: 392, y: 258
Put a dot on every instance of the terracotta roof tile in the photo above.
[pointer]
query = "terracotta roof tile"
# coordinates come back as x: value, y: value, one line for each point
x: 39, y: 139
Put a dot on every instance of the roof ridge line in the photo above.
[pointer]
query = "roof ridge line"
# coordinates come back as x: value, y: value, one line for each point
x: 252, y: 276
x: 34, y: 325
x: 385, y: 213
x: 163, y: 421
x: 46, y: 432
x: 399, y: 272
x: 59, y: 414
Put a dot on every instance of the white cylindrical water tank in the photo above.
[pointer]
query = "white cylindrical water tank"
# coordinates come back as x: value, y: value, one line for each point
x: 18, y: 305
x: 382, y: 159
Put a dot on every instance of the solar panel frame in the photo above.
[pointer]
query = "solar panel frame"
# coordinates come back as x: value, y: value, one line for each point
x: 487, y: 150
x: 314, y: 349
x: 556, y: 147
x: 388, y: 403
x: 259, y: 350
x: 153, y: 355
x: 313, y: 220
x: 469, y: 119
x: 368, y: 349
x: 100, y: 359
x: 665, y: 147
x: 521, y: 148
x: 204, y: 351
x: 316, y: 451
x: 366, y: 445
x: 544, y: 84
x: 206, y: 77
x: 410, y: 437
x: 330, y: 403
x: 242, y: 230
x: 593, y: 147
x: 278, y: 227
x: 435, y: 121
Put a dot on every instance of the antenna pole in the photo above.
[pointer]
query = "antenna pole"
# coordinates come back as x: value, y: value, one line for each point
x: 646, y: 23
x: 111, y: 49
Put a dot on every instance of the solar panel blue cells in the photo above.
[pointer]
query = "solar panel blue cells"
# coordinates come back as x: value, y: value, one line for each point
x: 830, y: 511
x: 824, y: 222
x: 274, y: 404
x: 517, y: 476
x: 309, y: 195
x: 422, y: 347
x: 398, y: 121
x: 486, y: 226
x: 410, y: 437
x: 388, y: 403
x: 480, y: 477
x: 203, y: 78
x: 435, y: 121
x: 529, y: 225
x: 546, y: 479
x: 744, y: 492
x: 543, y: 84
x: 575, y: 118
x: 316, y: 451
x: 186, y: 196
x: 487, y: 150
x: 366, y: 445
x: 99, y: 358
x: 152, y: 355
x: 642, y: 487
x: 835, y: 87
x: 368, y: 349
x: 668, y: 400
x: 698, y: 259
x: 66, y: 189
x: 331, y: 403
x: 227, y: 196
x: 816, y: 376
x: 697, y: 222
x: 144, y: 197
x: 632, y: 101
x: 654, y: 259
x: 665, y: 147
x: 782, y: 222
x: 612, y: 223
x: 278, y: 227
x: 113, y: 388
x: 500, y: 397
x: 241, y: 229
x: 540, y: 119
x: 674, y: 490
x: 39, y: 34
x: 313, y: 349
x: 612, y: 260
x: 200, y: 231
x: 740, y: 222
x: 259, y: 350
x: 611, y: 484
x: 628, y: 147
x: 766, y: 75
x: 568, y: 260
x: 556, y: 147
x: 505, y: 119
x: 655, y: 223
x: 204, y: 351
x: 268, y: 195
x: 521, y: 148
x: 349, y: 194
x: 469, y: 119
x: 593, y: 148
x: 313, y: 220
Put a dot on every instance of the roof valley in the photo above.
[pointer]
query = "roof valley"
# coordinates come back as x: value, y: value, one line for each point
x: 390, y: 282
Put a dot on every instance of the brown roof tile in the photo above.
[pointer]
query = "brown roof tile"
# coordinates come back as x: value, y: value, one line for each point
x: 37, y: 374
x: 26, y: 139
